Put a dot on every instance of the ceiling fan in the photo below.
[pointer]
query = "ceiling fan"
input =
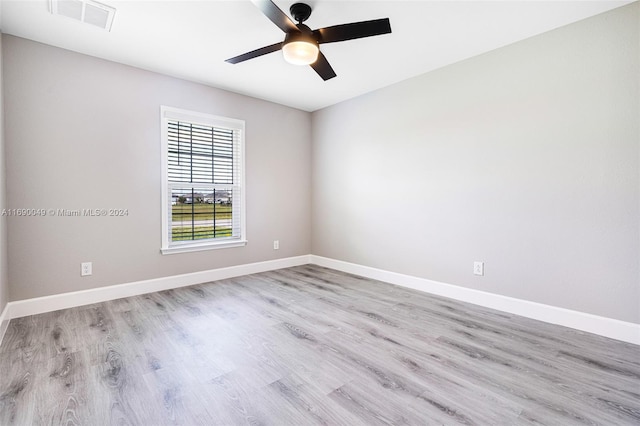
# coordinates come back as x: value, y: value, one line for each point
x: 301, y: 45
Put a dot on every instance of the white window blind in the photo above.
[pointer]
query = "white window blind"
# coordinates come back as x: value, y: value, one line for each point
x: 203, y: 181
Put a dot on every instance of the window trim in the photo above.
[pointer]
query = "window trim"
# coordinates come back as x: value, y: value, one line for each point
x: 170, y: 113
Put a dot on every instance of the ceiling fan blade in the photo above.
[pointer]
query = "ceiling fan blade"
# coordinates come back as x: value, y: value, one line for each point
x: 255, y: 53
x: 352, y: 31
x: 323, y: 68
x: 277, y: 16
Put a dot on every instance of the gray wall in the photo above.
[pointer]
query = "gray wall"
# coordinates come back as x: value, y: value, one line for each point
x: 85, y: 133
x: 4, y: 282
x: 526, y: 158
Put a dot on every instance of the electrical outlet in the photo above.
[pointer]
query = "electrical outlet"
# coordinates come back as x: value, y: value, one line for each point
x: 276, y: 244
x: 478, y: 268
x: 86, y: 268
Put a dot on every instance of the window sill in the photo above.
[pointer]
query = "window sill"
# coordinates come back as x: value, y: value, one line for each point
x: 201, y: 247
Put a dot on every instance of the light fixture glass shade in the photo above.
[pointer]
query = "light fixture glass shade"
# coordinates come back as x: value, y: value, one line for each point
x: 300, y: 52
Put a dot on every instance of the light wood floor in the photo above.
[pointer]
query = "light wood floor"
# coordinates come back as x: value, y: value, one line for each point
x: 308, y: 346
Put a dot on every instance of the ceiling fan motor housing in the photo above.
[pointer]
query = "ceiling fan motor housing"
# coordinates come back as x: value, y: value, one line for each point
x: 304, y: 33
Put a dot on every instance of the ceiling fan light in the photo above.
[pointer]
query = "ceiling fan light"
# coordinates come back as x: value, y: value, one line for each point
x: 300, y: 52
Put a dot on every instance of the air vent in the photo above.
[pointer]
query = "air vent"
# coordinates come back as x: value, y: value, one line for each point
x: 87, y: 11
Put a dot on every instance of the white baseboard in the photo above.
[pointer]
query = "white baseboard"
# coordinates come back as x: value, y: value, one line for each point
x: 615, y: 329
x: 4, y: 322
x: 55, y: 302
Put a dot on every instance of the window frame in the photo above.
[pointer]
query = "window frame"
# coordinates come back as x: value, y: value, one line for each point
x: 167, y: 114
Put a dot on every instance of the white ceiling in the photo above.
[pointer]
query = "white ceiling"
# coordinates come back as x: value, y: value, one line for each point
x: 191, y: 40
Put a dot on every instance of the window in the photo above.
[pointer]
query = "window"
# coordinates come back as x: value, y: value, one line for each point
x: 203, y: 181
